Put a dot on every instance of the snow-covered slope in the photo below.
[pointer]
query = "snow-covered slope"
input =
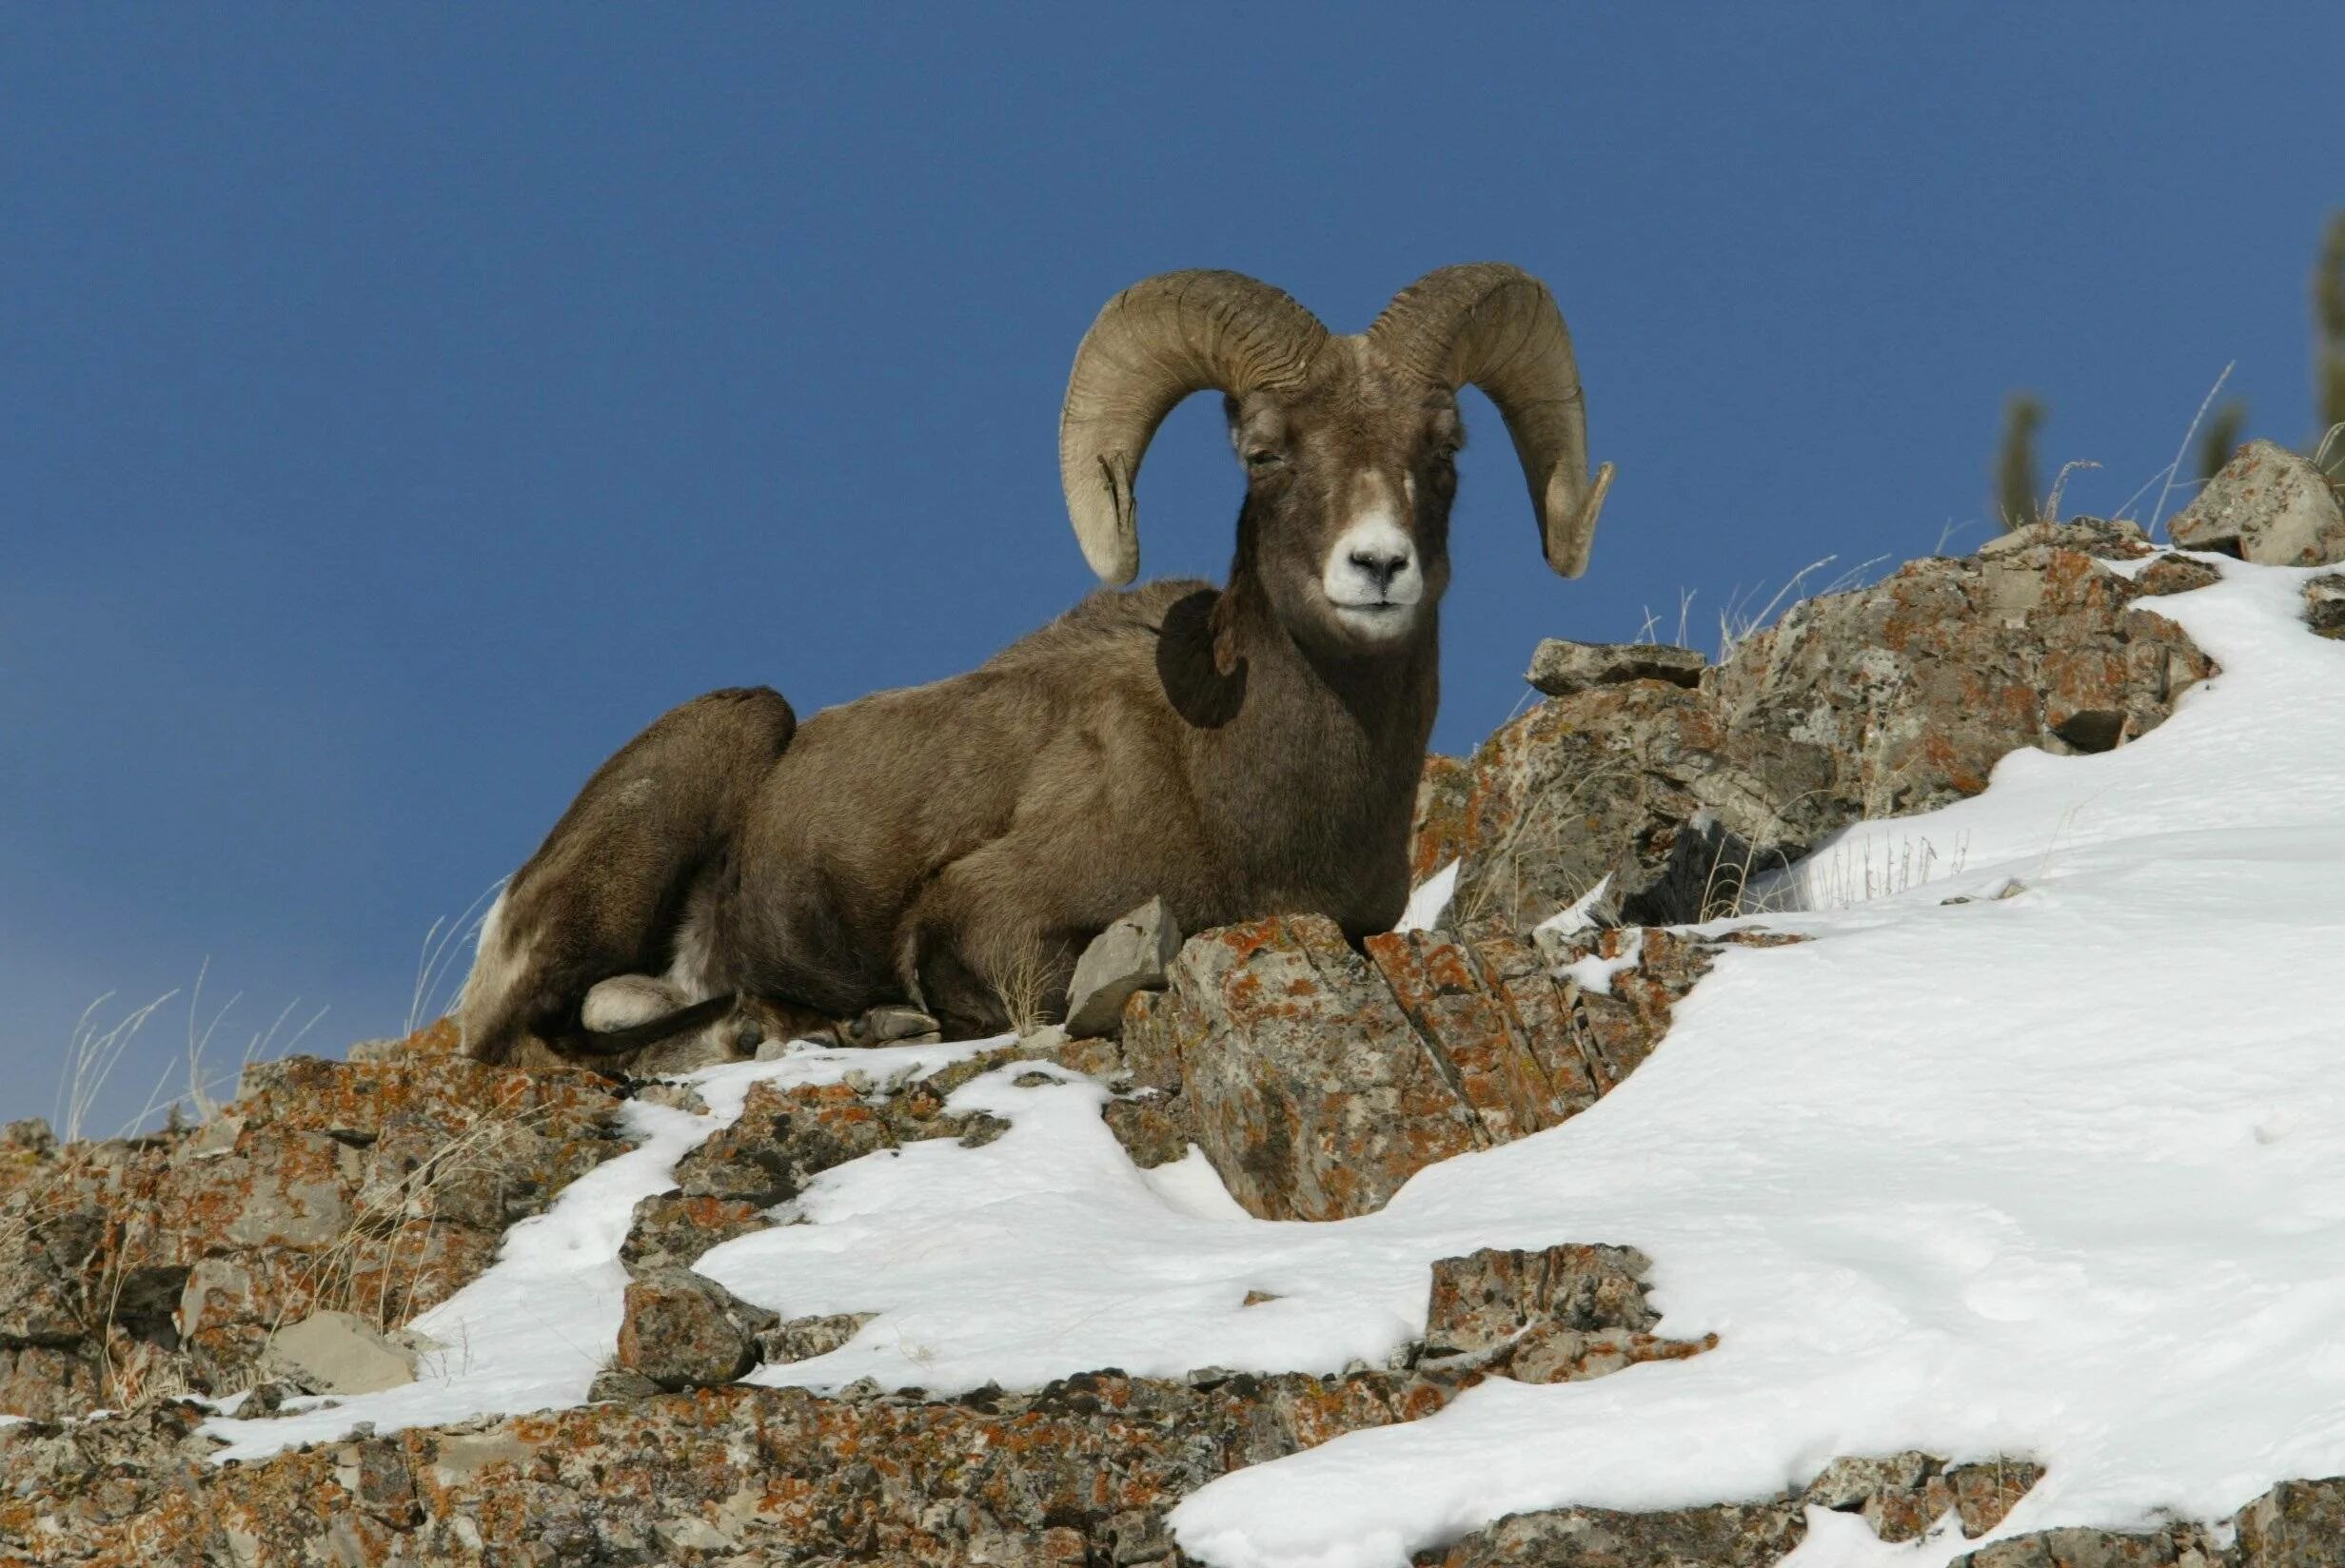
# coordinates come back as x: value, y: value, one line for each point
x: 2037, y: 1148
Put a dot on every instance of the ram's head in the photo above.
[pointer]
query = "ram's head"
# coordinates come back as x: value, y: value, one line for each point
x: 1349, y: 443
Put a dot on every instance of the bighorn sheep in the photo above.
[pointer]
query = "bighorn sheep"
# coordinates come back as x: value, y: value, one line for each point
x: 1240, y: 750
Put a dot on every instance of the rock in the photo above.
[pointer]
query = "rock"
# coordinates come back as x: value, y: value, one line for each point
x: 336, y: 1353
x: 1560, y: 1315
x: 2175, y: 575
x: 2268, y: 505
x: 2178, y: 1546
x: 2297, y: 1524
x: 1318, y: 1079
x: 1560, y: 668
x: 2103, y: 539
x: 1889, y: 699
x: 785, y: 1137
x: 1083, y: 1470
x: 1738, y: 1535
x: 683, y: 1331
x: 1486, y: 1299
x: 802, y: 1339
x: 1437, y: 830
x: 1901, y: 1495
x: 1130, y: 955
x: 672, y: 1228
x: 2324, y: 604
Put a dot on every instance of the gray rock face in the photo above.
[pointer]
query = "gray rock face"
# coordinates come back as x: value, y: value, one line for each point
x: 1130, y: 955
x: 2268, y: 505
x: 1560, y: 668
x: 336, y: 1353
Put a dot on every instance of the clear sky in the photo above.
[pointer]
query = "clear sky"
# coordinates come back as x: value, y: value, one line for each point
x: 401, y: 408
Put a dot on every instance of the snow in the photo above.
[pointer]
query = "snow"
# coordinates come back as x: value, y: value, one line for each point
x: 2055, y: 1174
x: 1428, y: 899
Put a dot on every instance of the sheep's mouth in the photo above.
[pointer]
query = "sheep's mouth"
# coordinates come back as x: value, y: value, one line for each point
x: 1379, y: 617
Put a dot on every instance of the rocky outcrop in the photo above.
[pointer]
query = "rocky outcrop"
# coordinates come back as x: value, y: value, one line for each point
x: 147, y: 1265
x: 1882, y: 701
x: 2268, y: 505
x: 2324, y: 604
x: 1317, y: 1078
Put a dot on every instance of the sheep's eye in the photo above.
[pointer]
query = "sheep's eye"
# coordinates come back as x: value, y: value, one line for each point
x: 1261, y: 458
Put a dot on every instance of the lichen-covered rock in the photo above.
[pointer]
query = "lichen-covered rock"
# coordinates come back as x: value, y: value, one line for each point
x: 1086, y: 1469
x: 1901, y: 1495
x: 1887, y: 701
x: 1437, y: 834
x: 784, y: 1137
x: 1318, y: 1079
x: 683, y: 1331
x: 1734, y: 1536
x: 377, y: 1187
x: 672, y: 1227
x: 1560, y: 668
x: 2176, y: 1546
x: 2324, y: 604
x: 2297, y: 1524
x: 2268, y: 505
x: 1560, y: 1315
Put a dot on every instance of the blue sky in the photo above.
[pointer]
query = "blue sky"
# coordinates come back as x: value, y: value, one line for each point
x: 400, y: 408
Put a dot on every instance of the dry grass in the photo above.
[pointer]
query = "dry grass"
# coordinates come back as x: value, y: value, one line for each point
x: 378, y: 1265
x: 1021, y: 973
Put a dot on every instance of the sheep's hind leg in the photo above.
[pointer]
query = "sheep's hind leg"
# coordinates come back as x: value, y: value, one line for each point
x: 625, y: 884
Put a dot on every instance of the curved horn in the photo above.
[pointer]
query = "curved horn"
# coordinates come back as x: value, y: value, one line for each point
x: 1495, y: 327
x: 1153, y: 344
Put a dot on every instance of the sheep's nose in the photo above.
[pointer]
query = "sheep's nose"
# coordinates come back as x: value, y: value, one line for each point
x: 1381, y: 566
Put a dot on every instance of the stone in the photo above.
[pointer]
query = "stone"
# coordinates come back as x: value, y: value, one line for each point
x: 1486, y: 1299
x: 2297, y: 1524
x: 2324, y: 604
x: 802, y: 1339
x: 2103, y: 539
x: 1734, y: 1536
x: 892, y: 1025
x: 2175, y: 575
x: 674, y: 1228
x: 1131, y: 955
x: 2267, y: 505
x: 1560, y: 1315
x: 336, y: 1353
x: 1560, y: 668
x: 1437, y: 829
x: 681, y: 1330
x: 1317, y: 1079
x: 2178, y: 1546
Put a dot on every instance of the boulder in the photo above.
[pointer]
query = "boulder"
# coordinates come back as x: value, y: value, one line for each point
x: 1437, y: 830
x: 1560, y: 1315
x: 683, y: 1331
x: 1560, y: 668
x: 2268, y: 505
x: 1130, y: 955
x: 336, y: 1353
x: 1318, y: 1078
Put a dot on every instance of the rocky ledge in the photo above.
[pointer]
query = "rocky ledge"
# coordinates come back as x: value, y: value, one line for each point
x: 152, y: 1275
